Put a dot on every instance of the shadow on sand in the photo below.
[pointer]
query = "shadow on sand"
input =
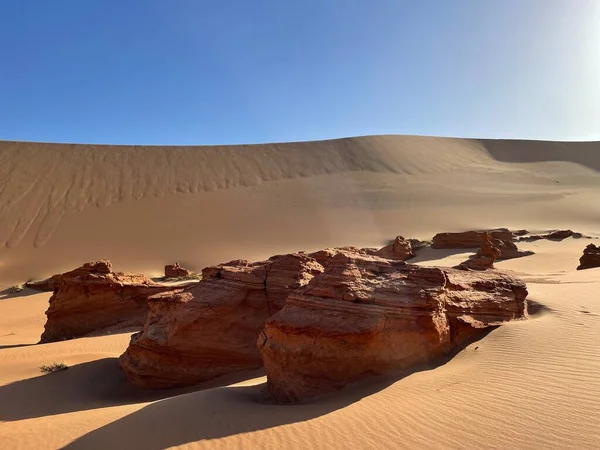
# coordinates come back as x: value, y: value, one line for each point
x: 431, y: 254
x: 90, y: 385
x: 222, y: 412
x: 12, y: 293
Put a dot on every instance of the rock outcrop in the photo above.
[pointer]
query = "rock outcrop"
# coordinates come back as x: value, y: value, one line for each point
x: 210, y: 329
x: 366, y: 315
x: 468, y: 239
x: 93, y: 298
x: 502, y: 239
x: 400, y: 249
x: 484, y: 258
x: 176, y: 271
x: 590, y: 257
x: 556, y: 235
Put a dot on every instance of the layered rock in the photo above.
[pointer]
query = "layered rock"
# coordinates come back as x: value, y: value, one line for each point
x: 93, y: 298
x: 176, y: 271
x: 501, y: 238
x: 366, y: 315
x: 556, y: 235
x: 484, y: 258
x: 590, y: 257
x: 468, y: 239
x: 400, y: 249
x: 198, y: 333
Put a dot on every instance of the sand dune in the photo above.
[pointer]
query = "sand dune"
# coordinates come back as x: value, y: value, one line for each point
x: 143, y: 207
x: 528, y: 384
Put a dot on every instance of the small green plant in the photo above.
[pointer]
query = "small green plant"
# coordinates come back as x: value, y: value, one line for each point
x: 54, y: 367
x: 16, y: 288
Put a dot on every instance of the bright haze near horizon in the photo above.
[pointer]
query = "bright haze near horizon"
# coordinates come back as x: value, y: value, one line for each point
x: 192, y: 72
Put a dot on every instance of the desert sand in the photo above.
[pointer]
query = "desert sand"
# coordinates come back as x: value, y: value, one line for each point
x: 528, y: 384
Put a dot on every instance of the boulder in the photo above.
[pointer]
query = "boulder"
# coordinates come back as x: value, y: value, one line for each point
x: 468, y: 239
x: 485, y: 257
x: 93, y: 299
x: 590, y: 257
x: 176, y: 271
x: 400, y: 249
x: 502, y: 239
x: 200, y: 332
x: 366, y: 315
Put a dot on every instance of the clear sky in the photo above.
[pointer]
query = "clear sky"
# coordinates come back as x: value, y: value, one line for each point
x: 211, y: 72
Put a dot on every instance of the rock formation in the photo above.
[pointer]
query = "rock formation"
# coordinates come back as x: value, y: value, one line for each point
x: 176, y: 271
x: 590, y: 257
x: 93, y: 298
x: 501, y: 238
x: 400, y: 249
x: 556, y: 235
x: 485, y: 257
x: 468, y: 239
x: 209, y: 329
x: 366, y: 315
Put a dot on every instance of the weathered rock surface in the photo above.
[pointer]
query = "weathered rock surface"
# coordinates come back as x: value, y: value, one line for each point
x: 176, y: 271
x: 93, y: 298
x: 556, y: 235
x: 501, y: 238
x: 485, y: 257
x: 400, y: 249
x: 468, y: 239
x: 210, y: 329
x: 590, y: 257
x: 366, y: 315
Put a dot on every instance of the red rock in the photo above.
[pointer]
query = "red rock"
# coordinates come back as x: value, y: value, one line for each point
x: 468, y: 239
x: 198, y: 333
x: 502, y: 239
x: 485, y: 257
x: 590, y: 257
x: 175, y: 271
x: 93, y: 298
x: 366, y: 316
x: 400, y: 249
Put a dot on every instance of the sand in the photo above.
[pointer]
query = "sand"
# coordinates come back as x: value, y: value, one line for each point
x: 528, y: 384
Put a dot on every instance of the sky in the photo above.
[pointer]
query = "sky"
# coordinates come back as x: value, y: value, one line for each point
x: 226, y: 72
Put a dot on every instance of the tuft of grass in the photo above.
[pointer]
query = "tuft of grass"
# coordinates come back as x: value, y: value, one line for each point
x: 54, y: 367
x: 16, y: 288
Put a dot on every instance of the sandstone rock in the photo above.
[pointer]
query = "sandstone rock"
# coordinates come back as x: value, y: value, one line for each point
x: 485, y: 257
x: 468, y: 239
x: 93, y: 298
x: 46, y: 285
x: 210, y: 329
x: 399, y: 249
x: 590, y: 257
x: 502, y: 239
x: 557, y: 235
x: 175, y: 271
x: 366, y: 315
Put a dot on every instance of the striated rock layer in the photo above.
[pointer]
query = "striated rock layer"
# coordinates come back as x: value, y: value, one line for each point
x: 502, y: 239
x: 590, y: 257
x: 93, y: 298
x: 201, y: 332
x: 485, y: 257
x: 366, y: 315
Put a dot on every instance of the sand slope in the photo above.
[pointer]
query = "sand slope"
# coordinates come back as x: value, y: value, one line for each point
x: 143, y: 207
x: 530, y: 384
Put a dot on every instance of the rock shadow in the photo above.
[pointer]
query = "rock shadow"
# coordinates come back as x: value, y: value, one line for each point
x: 228, y: 411
x: 90, y: 385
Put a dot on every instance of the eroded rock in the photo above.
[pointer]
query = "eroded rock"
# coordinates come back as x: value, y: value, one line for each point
x: 485, y: 257
x: 176, y: 271
x: 366, y: 316
x: 400, y: 249
x: 590, y: 257
x: 210, y: 329
x: 93, y: 298
x: 502, y: 239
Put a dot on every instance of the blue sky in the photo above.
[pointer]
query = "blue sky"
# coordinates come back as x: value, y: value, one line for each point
x: 218, y: 72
